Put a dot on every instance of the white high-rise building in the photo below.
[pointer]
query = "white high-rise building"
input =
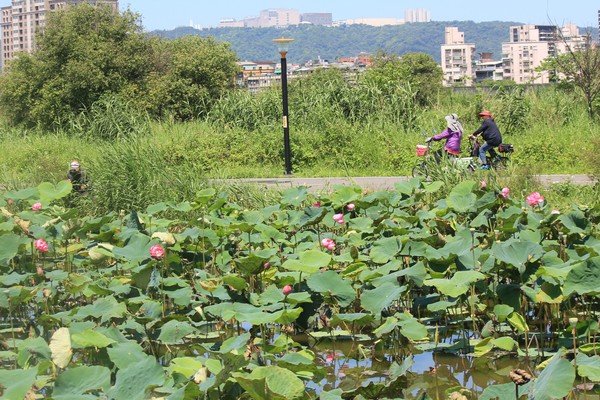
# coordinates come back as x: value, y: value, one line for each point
x: 417, y: 15
x: 457, y: 58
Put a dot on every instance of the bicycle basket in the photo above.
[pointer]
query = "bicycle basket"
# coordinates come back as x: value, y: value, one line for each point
x: 506, y: 148
x: 421, y: 150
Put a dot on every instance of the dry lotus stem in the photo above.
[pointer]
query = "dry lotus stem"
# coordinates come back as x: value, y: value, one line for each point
x: 519, y: 376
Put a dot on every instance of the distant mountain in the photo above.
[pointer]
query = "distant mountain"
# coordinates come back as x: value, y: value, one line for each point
x: 330, y: 43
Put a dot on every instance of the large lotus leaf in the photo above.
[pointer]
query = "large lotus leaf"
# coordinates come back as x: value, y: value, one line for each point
x: 80, y: 380
x: 502, y: 311
x: 28, y: 347
x: 518, y: 254
x: 50, y: 192
x: 294, y: 196
x: 549, y: 293
x: 287, y: 316
x: 272, y: 382
x: 174, y: 331
x: 60, y: 346
x: 186, y: 366
x: 517, y: 321
x: 309, y: 216
x: 133, y: 381
x: 9, y: 246
x: 462, y: 198
x: 589, y: 367
x: 583, y: 278
x: 344, y: 194
x: 12, y: 279
x: 575, y: 222
x: 310, y: 261
x: 377, y: 299
x: 503, y: 391
x: 329, y: 283
x: 23, y: 194
x: 413, y: 329
x: 361, y: 224
x: 137, y: 248
x: 555, y: 381
x: 270, y: 233
x: 126, y: 353
x: 385, y: 249
x: 17, y: 383
x: 90, y: 338
x: 203, y: 196
x: 251, y: 264
x: 458, y: 285
x: 105, y: 308
x: 358, y: 319
x: 510, y: 294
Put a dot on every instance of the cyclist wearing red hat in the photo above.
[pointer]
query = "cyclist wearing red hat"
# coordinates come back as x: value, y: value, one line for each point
x: 490, y: 133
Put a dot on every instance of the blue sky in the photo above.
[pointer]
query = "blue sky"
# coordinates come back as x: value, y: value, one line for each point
x: 208, y: 12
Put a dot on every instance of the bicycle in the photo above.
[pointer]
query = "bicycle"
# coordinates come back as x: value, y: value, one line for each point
x: 432, y: 165
x: 495, y: 160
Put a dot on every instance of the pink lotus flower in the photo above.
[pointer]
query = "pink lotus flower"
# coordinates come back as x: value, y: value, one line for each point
x: 329, y: 244
x: 267, y: 265
x: 287, y: 289
x: 534, y: 199
x: 41, y: 245
x: 36, y: 207
x: 350, y: 207
x: 555, y: 212
x: 157, y: 251
x: 504, y: 192
x: 317, y: 204
x: 339, y: 218
x: 482, y: 185
x: 40, y: 270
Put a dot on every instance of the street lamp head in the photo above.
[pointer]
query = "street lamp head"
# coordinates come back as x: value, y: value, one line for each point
x: 283, y: 44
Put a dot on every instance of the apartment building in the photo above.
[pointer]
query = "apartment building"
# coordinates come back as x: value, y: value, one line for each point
x: 21, y: 20
x: 325, y: 19
x: 271, y: 18
x: 417, y: 15
x: 530, y: 45
x: 457, y: 58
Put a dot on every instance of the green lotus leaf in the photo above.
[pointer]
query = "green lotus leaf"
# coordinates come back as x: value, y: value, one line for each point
x: 555, y: 381
x: 413, y: 329
x: 377, y: 299
x: 251, y: 264
x: 126, y: 353
x: 588, y: 367
x: 309, y: 216
x: 386, y: 249
x: 294, y: 196
x: 550, y: 294
x: 310, y: 261
x: 576, y: 222
x: 50, y: 192
x: 287, y: 316
x: 583, y: 278
x: 133, y: 381
x: 17, y: 383
x: 203, y: 196
x: 517, y: 321
x: 271, y: 382
x: 137, y: 248
x: 502, y: 311
x: 80, y: 380
x: 174, y: 331
x: 503, y: 391
x: 30, y: 346
x: 458, y: 285
x: 104, y: 308
x: 156, y: 208
x: 10, y: 244
x: 518, y: 254
x: 90, y: 338
x: 329, y: 283
x: 359, y: 319
x: 461, y: 198
x: 186, y: 366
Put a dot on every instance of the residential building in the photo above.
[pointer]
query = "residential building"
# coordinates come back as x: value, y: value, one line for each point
x: 371, y: 21
x: 530, y: 45
x: 21, y: 20
x: 417, y: 15
x: 325, y: 19
x: 457, y: 58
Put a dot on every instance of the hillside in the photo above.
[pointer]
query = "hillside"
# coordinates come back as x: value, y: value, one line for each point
x: 254, y: 44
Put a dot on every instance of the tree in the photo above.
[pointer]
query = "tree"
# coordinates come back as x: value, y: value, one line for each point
x: 579, y: 67
x: 88, y: 55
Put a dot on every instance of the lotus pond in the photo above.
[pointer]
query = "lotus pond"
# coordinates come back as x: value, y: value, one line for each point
x: 348, y: 295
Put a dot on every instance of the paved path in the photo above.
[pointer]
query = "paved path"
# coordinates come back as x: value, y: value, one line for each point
x: 378, y: 182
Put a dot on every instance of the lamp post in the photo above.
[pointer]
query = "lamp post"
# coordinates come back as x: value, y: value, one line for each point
x: 283, y: 44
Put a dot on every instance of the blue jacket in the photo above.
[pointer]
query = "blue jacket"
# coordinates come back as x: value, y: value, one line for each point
x: 490, y: 132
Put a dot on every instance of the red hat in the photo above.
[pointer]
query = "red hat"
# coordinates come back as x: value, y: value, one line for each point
x: 485, y: 113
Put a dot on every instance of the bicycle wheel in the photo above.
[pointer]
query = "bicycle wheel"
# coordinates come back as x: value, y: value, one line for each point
x: 501, y: 163
x: 420, y: 170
